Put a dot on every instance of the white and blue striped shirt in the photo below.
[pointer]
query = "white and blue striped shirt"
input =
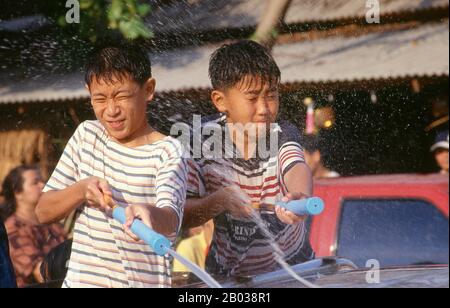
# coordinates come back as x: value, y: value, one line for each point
x: 152, y: 175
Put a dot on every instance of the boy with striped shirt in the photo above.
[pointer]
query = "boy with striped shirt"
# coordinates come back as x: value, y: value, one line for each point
x: 118, y: 157
x: 245, y: 80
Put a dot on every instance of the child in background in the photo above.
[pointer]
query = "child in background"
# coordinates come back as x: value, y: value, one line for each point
x: 194, y: 247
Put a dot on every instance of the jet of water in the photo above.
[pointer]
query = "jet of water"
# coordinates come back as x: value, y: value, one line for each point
x: 277, y: 252
x: 200, y: 273
x: 160, y: 244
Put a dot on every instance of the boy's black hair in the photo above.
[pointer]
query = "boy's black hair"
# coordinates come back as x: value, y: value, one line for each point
x: 311, y: 143
x: 232, y: 62
x: 118, y: 61
x: 314, y: 143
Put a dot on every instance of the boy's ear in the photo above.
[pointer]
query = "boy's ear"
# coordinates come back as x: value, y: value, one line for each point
x: 218, y: 99
x: 149, y: 87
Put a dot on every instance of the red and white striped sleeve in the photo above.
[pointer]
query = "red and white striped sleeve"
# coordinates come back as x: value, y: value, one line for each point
x: 290, y: 154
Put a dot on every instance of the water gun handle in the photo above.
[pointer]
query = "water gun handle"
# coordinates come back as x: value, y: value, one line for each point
x: 305, y: 207
x: 158, y: 242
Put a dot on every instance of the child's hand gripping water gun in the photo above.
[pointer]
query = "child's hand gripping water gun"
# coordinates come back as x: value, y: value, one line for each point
x: 304, y: 207
x: 159, y: 243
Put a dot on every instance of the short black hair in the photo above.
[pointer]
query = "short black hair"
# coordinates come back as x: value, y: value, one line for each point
x: 311, y: 143
x: 232, y: 62
x: 118, y: 61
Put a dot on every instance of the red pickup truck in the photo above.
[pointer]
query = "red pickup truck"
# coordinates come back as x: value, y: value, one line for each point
x: 394, y: 219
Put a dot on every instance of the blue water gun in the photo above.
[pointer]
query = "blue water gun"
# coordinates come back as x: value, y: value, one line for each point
x: 158, y: 242
x: 304, y: 207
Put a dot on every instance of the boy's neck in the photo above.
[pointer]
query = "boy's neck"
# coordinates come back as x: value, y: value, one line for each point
x: 143, y: 136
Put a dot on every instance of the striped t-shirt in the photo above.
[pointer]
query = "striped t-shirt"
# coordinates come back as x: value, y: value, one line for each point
x: 239, y: 246
x: 151, y: 175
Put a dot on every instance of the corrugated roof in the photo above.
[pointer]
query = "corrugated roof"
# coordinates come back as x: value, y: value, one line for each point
x: 44, y: 89
x: 24, y: 24
x: 205, y: 15
x: 421, y: 51
x: 415, y: 52
x: 312, y: 10
x: 418, y: 52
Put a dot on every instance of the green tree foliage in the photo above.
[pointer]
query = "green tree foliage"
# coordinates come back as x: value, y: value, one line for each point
x: 99, y: 18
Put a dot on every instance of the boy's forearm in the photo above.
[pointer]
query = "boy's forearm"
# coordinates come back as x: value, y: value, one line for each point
x: 199, y: 211
x: 299, y: 180
x: 56, y: 205
x: 164, y: 220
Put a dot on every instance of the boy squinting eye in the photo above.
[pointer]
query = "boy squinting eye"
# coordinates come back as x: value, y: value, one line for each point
x: 98, y: 101
x: 123, y: 98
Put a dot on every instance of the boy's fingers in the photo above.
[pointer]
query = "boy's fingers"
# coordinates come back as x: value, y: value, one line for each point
x: 293, y: 218
x: 131, y: 234
x: 98, y: 196
x: 104, y: 187
x: 298, y: 219
x: 299, y: 196
x: 132, y: 213
x: 144, y: 215
x: 278, y: 211
x: 109, y: 200
x: 95, y: 195
x: 146, y: 220
x: 127, y: 225
x: 283, y: 215
x: 130, y: 216
x: 288, y: 198
x: 294, y: 196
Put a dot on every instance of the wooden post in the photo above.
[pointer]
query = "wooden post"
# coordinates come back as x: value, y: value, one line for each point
x: 267, y: 30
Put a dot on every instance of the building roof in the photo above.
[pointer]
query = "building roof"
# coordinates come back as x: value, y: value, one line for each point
x: 207, y: 15
x: 417, y: 52
x: 422, y: 51
x: 24, y: 24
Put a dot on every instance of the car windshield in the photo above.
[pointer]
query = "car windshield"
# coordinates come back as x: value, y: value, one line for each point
x: 393, y: 232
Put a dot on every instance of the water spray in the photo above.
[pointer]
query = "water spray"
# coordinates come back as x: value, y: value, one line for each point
x: 304, y: 207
